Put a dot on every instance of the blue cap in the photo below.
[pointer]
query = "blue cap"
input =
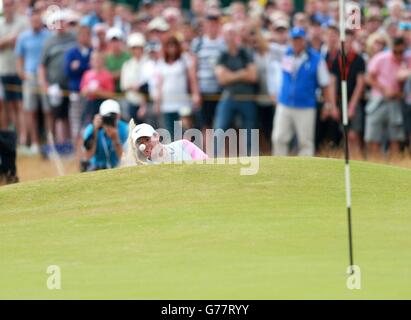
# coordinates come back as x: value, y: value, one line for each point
x: 297, y: 33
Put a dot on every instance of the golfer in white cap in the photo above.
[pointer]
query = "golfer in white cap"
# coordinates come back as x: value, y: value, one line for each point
x: 147, y: 145
x: 105, y: 137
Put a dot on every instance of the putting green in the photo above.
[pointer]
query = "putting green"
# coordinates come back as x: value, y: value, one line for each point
x: 205, y: 231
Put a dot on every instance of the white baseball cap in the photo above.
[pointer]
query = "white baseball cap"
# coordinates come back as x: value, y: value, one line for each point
x: 114, y: 33
x: 136, y: 40
x: 142, y: 130
x: 158, y: 24
x: 109, y: 106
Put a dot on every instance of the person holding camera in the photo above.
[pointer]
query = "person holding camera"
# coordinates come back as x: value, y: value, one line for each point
x: 104, y: 138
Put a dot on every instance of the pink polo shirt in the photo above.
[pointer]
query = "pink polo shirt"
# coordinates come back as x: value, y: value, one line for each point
x: 101, y: 81
x: 386, y: 68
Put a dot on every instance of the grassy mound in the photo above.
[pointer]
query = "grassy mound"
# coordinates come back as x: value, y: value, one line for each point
x: 205, y: 231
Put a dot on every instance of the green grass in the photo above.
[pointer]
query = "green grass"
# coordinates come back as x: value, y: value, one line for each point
x: 204, y: 231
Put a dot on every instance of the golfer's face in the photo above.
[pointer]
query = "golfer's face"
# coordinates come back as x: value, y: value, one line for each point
x: 149, y: 143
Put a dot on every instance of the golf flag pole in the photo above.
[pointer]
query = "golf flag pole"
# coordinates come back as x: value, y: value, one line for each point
x: 344, y: 103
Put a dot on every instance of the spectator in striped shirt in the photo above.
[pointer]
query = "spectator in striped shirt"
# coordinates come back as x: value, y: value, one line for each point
x: 207, y: 50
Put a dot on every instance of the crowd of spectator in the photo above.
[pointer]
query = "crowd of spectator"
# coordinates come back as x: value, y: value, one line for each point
x: 252, y: 65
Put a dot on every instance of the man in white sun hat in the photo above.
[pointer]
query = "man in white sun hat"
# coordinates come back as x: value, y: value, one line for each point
x: 131, y: 78
x: 105, y: 137
x: 158, y: 29
x: 145, y: 142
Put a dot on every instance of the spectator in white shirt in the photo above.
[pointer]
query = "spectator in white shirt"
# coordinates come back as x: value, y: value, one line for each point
x: 132, y: 77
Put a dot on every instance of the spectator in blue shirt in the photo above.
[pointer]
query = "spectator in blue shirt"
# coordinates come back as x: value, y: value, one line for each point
x: 28, y: 50
x: 77, y: 62
x: 303, y: 72
x: 105, y: 137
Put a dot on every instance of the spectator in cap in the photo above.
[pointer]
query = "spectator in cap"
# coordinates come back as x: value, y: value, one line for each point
x: 72, y: 19
x: 279, y: 45
x: 158, y: 29
x: 132, y: 77
x: 304, y: 71
x: 104, y: 138
x: 117, y: 55
x: 173, y: 18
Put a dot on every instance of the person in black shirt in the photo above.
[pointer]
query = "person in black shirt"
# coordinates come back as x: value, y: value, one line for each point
x: 236, y: 72
x: 356, y: 69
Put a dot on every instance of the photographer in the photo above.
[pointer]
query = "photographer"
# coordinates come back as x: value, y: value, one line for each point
x: 104, y: 138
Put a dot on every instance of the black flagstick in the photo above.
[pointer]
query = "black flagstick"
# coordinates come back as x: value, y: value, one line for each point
x: 345, y: 125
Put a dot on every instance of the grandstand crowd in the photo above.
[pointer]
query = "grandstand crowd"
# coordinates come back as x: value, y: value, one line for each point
x: 254, y: 65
